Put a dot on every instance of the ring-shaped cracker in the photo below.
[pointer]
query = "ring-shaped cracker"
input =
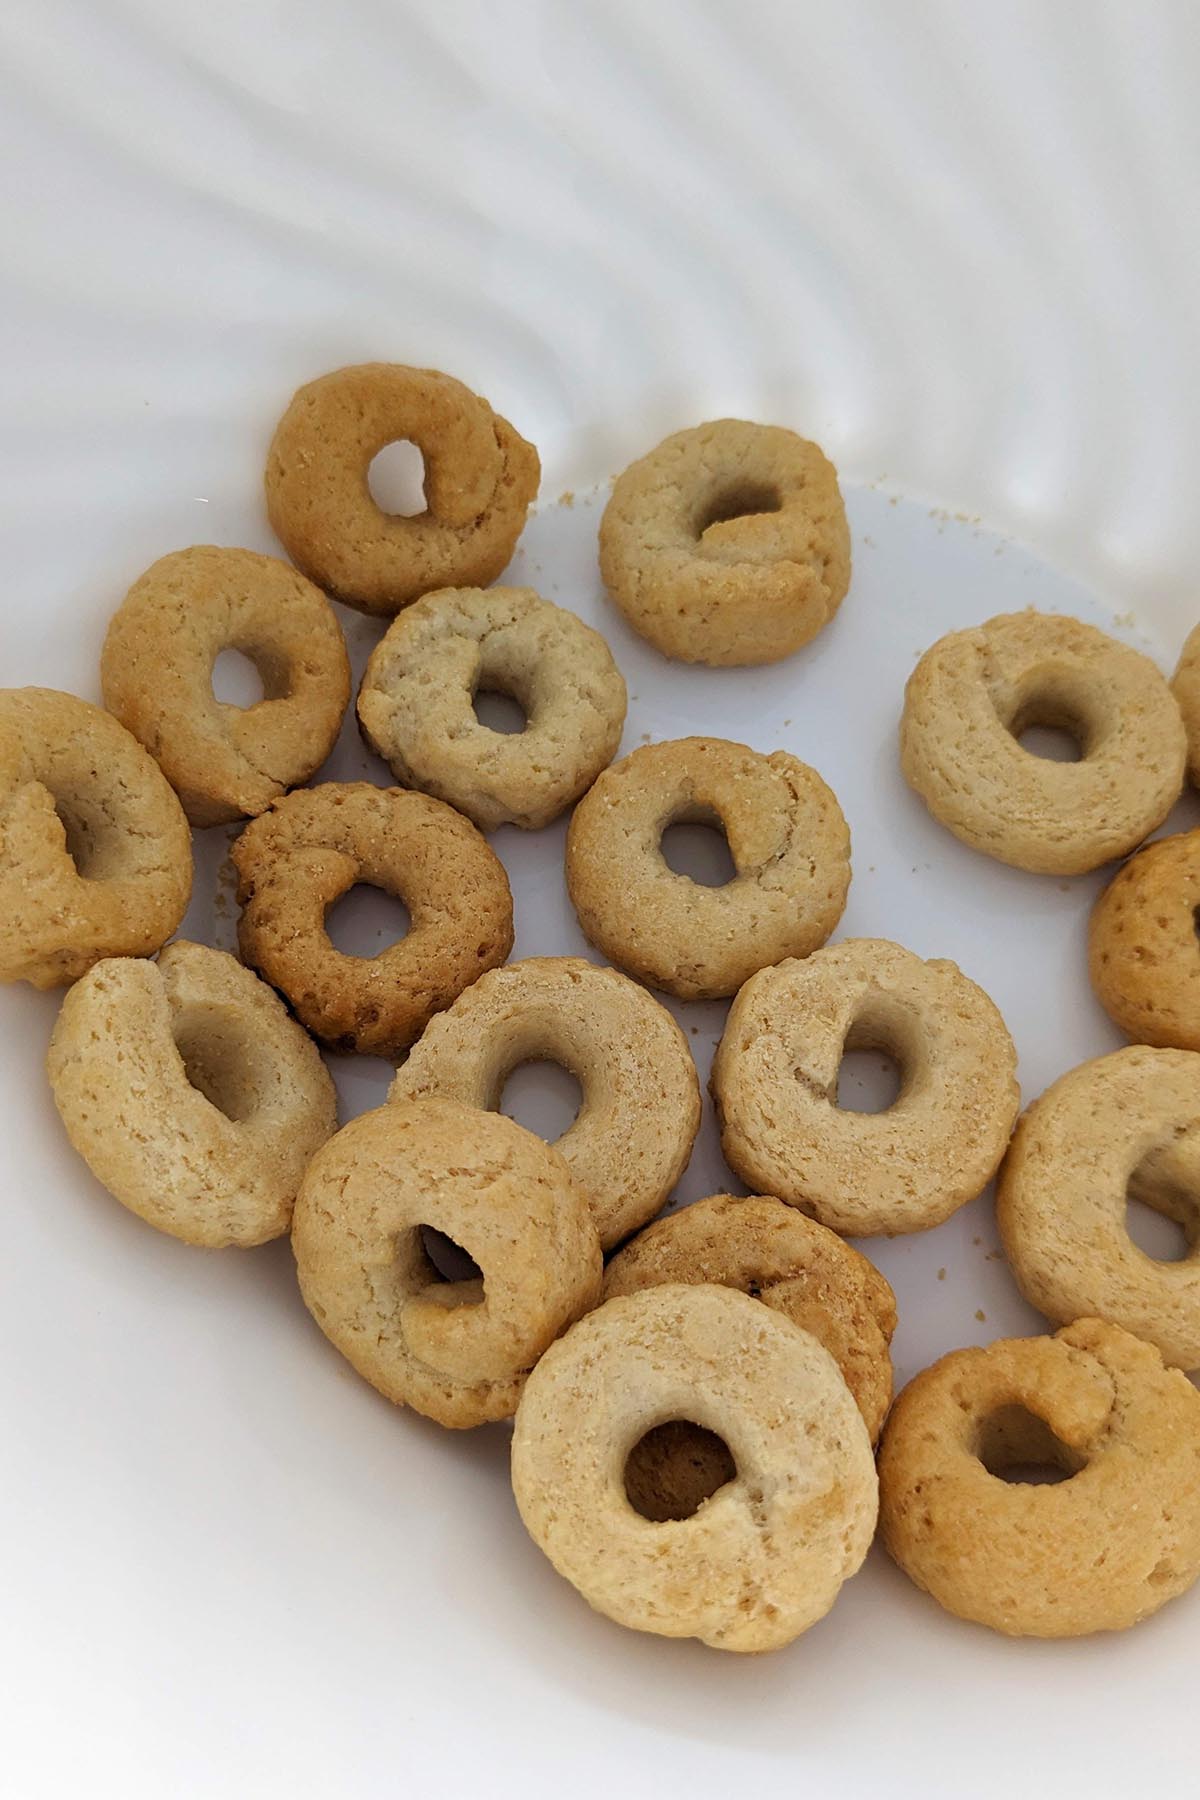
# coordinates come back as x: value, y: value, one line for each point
x: 95, y: 853
x: 227, y: 762
x: 481, y: 478
x: 457, y: 1351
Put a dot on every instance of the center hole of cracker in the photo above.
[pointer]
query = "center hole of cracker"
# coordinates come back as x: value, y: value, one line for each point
x: 1051, y: 742
x: 217, y: 1063
x: 543, y: 1097
x: 1049, y: 726
x: 448, y: 1260
x: 499, y: 711
x: 82, y: 846
x: 1161, y: 1214
x: 1162, y: 1238
x: 869, y: 1081
x: 237, y: 679
x: 675, y: 1468
x: 740, y: 500
x: 396, y: 479
x: 695, y: 845
x: 365, y: 921
x: 1015, y: 1445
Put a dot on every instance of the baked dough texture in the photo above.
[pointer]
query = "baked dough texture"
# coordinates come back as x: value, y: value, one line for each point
x: 775, y: 1254
x: 481, y: 478
x: 728, y: 543
x: 973, y: 694
x: 416, y: 703
x: 227, y: 762
x: 1143, y: 951
x: 457, y: 1351
x: 787, y: 837
x: 1095, y: 1552
x: 190, y: 1093
x: 640, y: 1110
x: 764, y: 1557
x: 95, y: 853
x: 775, y: 1083
x: 313, y: 846
x: 1125, y: 1126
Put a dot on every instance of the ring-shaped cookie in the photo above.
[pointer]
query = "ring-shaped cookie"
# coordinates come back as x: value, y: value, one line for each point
x: 973, y: 694
x: 312, y: 847
x: 789, y: 844
x: 1143, y: 953
x: 227, y: 762
x: 190, y: 1093
x: 480, y: 479
x: 1095, y: 1552
x: 775, y: 1254
x: 1185, y: 686
x: 416, y: 703
x: 728, y: 543
x: 640, y: 1111
x: 764, y: 1557
x: 775, y: 1083
x: 95, y: 853
x: 1125, y: 1126
x: 457, y: 1351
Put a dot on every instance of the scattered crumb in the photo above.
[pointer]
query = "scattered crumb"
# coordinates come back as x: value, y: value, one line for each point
x: 870, y: 868
x: 645, y: 737
x: 868, y: 541
x: 695, y: 1031
x: 1064, y: 887
x: 893, y: 499
x: 567, y: 497
x: 977, y: 1240
x: 1125, y: 618
x: 994, y: 1256
x: 941, y: 1274
x: 981, y: 1315
x: 787, y: 721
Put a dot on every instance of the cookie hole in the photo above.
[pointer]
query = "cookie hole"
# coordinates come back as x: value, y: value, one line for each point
x: 1163, y: 1239
x: 499, y: 712
x: 869, y: 1081
x: 1051, y: 744
x: 697, y: 847
x: 237, y: 679
x: 740, y: 500
x: 675, y: 1468
x: 448, y: 1260
x: 219, y: 1064
x: 396, y: 479
x: 1049, y: 726
x: 365, y: 921
x: 543, y: 1097
x: 1162, y: 1217
x: 83, y: 845
x: 1015, y: 1445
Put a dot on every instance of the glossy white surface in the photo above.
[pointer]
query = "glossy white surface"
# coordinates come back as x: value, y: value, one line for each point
x: 957, y: 244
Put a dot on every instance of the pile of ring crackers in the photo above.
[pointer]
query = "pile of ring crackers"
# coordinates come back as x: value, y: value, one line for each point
x: 704, y: 1434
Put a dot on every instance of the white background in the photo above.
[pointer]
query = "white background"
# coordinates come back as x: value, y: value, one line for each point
x: 959, y: 245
